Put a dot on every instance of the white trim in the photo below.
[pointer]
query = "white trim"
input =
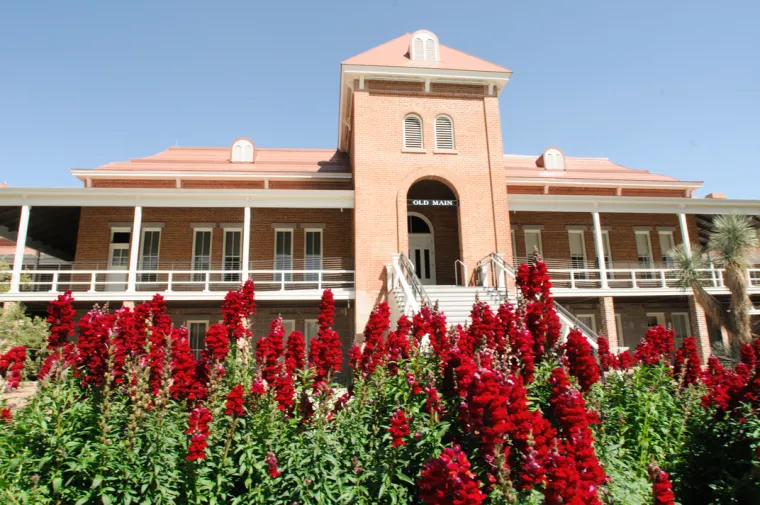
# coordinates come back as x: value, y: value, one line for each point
x: 684, y: 232
x: 630, y: 204
x: 435, y: 135
x: 551, y: 180
x: 134, y: 252
x: 246, y: 257
x: 18, y: 258
x: 405, y: 145
x: 170, y: 197
x: 464, y: 76
x: 230, y: 175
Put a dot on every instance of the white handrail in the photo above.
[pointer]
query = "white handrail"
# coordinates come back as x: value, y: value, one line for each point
x: 411, y: 305
x: 456, y: 272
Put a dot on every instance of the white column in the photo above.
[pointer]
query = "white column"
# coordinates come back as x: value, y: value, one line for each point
x: 134, y: 253
x: 246, y: 241
x: 18, y: 260
x: 685, y: 232
x: 599, y: 243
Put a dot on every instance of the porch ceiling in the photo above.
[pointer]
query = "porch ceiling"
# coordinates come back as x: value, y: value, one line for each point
x: 52, y: 230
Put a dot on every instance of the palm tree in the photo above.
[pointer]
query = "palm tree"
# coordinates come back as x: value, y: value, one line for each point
x: 733, y: 239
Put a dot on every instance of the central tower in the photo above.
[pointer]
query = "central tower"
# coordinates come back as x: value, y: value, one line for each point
x: 420, y: 122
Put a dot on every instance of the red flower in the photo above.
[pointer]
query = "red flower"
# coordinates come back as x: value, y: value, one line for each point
x: 657, y: 345
x: 285, y: 392
x: 271, y: 462
x: 398, y: 344
x: 61, y: 320
x: 687, y: 362
x: 217, y: 342
x: 183, y: 365
x: 373, y: 353
x: 520, y: 342
x: 13, y: 361
x: 295, y: 352
x: 258, y: 388
x: 447, y: 480
x: 64, y: 357
x: 399, y: 427
x: 198, y: 430
x: 160, y: 328
x: 269, y: 349
x: 325, y: 354
x: 412, y: 381
x: 607, y: 360
x: 354, y: 356
x: 95, y: 330
x: 482, y: 330
x: 234, y: 404
x: 433, y: 403
x: 540, y: 316
x: 580, y: 360
x: 6, y: 415
x: 237, y: 307
x: 749, y: 358
x: 625, y: 360
x: 662, y: 489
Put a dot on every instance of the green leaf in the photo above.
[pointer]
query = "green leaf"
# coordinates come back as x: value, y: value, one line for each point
x: 57, y: 482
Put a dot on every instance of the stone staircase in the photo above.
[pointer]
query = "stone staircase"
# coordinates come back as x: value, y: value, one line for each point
x: 456, y: 301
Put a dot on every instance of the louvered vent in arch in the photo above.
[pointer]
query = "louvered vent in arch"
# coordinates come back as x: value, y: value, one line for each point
x: 412, y: 132
x: 424, y: 46
x: 444, y: 133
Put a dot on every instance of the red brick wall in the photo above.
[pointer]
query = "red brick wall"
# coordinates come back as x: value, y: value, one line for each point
x: 132, y: 183
x: 177, y: 235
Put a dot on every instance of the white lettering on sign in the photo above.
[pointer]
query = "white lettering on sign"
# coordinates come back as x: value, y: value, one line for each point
x: 433, y: 203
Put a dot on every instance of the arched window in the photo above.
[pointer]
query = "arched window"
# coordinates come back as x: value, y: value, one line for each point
x: 412, y: 132
x: 415, y: 224
x: 424, y: 46
x: 554, y: 159
x: 242, y: 151
x: 444, y: 133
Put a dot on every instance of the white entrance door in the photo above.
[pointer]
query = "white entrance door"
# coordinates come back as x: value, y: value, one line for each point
x: 118, y: 264
x: 422, y: 254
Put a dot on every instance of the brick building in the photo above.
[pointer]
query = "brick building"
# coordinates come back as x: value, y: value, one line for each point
x: 417, y: 203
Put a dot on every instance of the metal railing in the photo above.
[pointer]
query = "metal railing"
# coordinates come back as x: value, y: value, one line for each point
x: 407, y: 270
x: 457, y: 264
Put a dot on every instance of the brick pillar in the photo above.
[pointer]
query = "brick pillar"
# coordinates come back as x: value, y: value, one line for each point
x: 609, y: 324
x: 699, y: 330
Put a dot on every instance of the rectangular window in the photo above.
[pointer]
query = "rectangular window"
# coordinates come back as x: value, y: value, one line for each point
x: 533, y: 242
x: 283, y: 254
x: 310, y: 329
x: 289, y: 325
x: 577, y: 239
x: 666, y: 245
x: 655, y: 319
x: 201, y: 253
x: 197, y: 334
x: 644, y: 249
x: 681, y: 325
x: 118, y: 259
x: 588, y: 319
x: 232, y: 254
x: 607, y: 248
x: 312, y: 253
x: 151, y: 241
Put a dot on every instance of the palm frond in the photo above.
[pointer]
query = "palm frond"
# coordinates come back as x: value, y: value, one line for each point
x: 690, y: 265
x: 733, y: 239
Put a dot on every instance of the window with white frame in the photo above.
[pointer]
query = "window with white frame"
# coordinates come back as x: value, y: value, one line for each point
x: 283, y: 253
x: 231, y: 262
x: 412, y: 132
x: 151, y: 242
x: 196, y: 330
x: 607, y: 249
x: 666, y: 246
x: 310, y: 329
x: 553, y: 159
x: 655, y: 319
x: 242, y: 151
x: 289, y: 325
x: 424, y: 47
x: 644, y: 248
x: 201, y: 253
x: 533, y: 242
x: 312, y: 253
x: 577, y: 239
x: 681, y: 325
x: 588, y: 319
x: 444, y: 133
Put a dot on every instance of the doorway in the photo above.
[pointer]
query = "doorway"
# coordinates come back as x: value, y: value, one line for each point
x: 422, y: 247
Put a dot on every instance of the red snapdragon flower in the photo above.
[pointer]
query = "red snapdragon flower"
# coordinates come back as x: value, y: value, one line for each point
x: 399, y: 427
x: 199, y: 431
x: 662, y: 489
x: 483, y: 327
x: 95, y: 330
x: 687, y: 363
x: 217, y: 342
x: 657, y: 345
x: 160, y: 328
x: 183, y: 365
x: 6, y: 414
x: 398, y: 344
x: 580, y: 360
x: 607, y: 360
x: 234, y: 404
x: 295, y: 350
x: 60, y: 319
x: 540, y: 315
x: 433, y: 403
x: 258, y: 388
x: 412, y: 381
x: 325, y: 354
x: 285, y: 392
x: 238, y: 306
x: 64, y: 357
x: 519, y: 340
x: 447, y: 480
x: 373, y: 353
x: 271, y: 462
x: 269, y: 349
x: 625, y: 360
x: 13, y: 361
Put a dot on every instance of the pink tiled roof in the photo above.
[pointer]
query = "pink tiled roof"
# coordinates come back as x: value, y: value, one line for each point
x: 597, y: 169
x: 211, y: 159
x: 395, y: 53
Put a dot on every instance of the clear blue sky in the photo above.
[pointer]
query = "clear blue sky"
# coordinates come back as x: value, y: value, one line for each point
x: 668, y: 86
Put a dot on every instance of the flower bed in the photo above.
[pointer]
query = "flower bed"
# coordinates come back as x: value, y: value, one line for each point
x: 501, y: 411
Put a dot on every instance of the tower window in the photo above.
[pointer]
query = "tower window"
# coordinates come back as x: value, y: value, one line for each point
x: 412, y: 132
x: 444, y: 133
x: 242, y: 151
x: 424, y: 46
x: 554, y: 159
